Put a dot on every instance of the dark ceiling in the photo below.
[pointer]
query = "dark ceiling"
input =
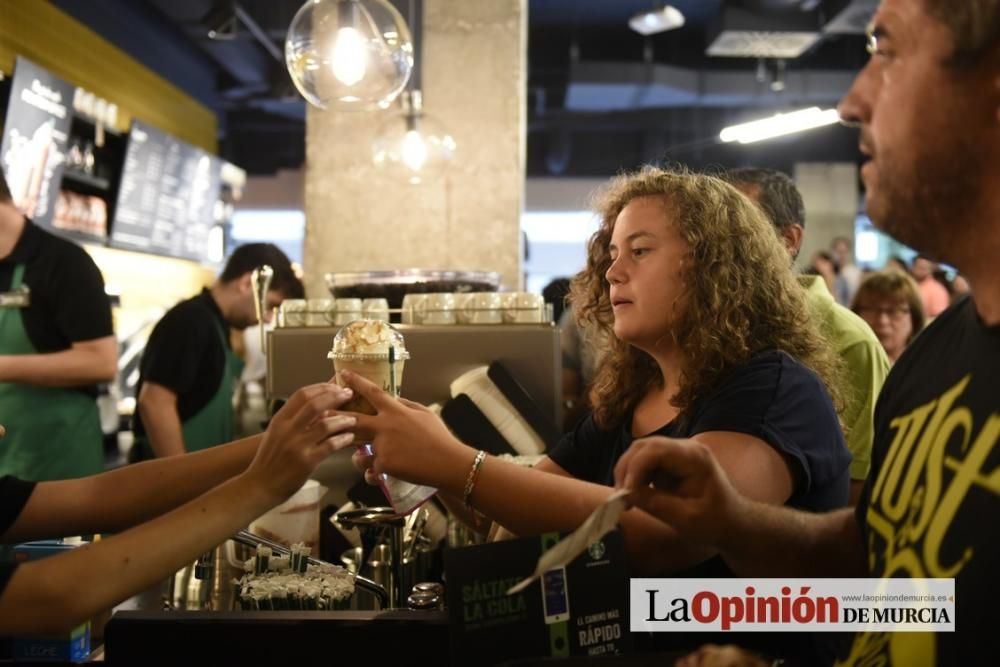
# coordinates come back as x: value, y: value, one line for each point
x: 601, y: 97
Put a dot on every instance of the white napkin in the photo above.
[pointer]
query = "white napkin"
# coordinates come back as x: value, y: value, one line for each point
x: 599, y: 523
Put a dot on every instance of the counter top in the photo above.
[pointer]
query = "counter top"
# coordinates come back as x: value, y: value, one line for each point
x: 306, y: 637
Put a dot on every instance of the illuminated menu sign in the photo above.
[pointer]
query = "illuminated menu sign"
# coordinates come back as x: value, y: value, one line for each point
x: 166, y: 197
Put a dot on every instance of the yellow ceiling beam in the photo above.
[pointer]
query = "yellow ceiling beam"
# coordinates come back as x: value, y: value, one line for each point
x: 43, y: 33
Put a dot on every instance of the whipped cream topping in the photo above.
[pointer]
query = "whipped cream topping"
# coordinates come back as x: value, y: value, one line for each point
x: 368, y: 337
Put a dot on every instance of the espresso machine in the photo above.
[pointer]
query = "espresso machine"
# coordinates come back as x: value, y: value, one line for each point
x: 439, y: 353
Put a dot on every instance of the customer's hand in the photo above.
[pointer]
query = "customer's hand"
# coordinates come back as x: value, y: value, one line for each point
x: 681, y: 483
x: 409, y: 441
x: 302, y: 433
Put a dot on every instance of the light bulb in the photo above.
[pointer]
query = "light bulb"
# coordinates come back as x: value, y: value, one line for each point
x: 349, y: 54
x: 413, y: 146
x: 414, y: 150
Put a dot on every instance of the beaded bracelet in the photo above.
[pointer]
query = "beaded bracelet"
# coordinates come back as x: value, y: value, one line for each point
x: 470, y: 481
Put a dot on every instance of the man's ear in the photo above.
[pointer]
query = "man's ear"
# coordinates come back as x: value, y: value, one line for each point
x: 792, y: 236
x: 245, y: 282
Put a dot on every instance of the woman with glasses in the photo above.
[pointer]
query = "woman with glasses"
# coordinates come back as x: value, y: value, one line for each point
x: 889, y: 301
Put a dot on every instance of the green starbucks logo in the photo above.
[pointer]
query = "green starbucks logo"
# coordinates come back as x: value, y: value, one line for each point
x: 596, y: 550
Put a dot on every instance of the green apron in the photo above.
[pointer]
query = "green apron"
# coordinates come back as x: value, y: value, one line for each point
x: 213, y: 424
x: 52, y: 432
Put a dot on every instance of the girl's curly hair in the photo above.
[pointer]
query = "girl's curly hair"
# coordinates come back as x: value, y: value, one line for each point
x: 741, y: 297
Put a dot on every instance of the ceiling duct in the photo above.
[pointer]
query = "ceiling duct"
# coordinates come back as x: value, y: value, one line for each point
x: 739, y: 33
x: 617, y: 86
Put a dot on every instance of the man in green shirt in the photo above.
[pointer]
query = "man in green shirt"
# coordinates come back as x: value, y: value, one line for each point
x: 865, y: 361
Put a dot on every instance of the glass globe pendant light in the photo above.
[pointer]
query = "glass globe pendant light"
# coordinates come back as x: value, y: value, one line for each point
x: 349, y: 54
x: 413, y: 146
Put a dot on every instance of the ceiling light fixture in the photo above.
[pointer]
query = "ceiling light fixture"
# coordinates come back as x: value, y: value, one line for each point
x: 779, y: 124
x: 413, y: 146
x: 657, y: 20
x: 220, y: 21
x: 349, y: 54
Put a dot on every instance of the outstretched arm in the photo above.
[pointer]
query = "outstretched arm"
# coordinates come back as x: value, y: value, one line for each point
x: 681, y: 483
x: 412, y: 443
x: 119, y: 499
x: 59, y: 592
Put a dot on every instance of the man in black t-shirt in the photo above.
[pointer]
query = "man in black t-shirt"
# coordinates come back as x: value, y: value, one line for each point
x: 188, y: 372
x: 928, y: 106
x: 56, y: 345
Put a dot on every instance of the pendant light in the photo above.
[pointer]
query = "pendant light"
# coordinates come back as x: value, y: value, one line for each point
x: 349, y: 54
x: 413, y: 146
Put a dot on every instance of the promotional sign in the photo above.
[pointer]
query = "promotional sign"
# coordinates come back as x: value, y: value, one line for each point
x: 579, y: 610
x: 33, y: 150
x: 167, y: 196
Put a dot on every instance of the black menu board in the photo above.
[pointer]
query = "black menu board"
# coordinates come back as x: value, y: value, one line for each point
x: 33, y: 150
x: 166, y: 196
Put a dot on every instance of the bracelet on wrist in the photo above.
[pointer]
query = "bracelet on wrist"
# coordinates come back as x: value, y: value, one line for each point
x: 473, y: 477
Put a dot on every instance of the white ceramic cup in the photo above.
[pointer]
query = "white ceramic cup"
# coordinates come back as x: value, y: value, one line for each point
x: 411, y: 309
x: 346, y: 310
x: 523, y: 308
x: 436, y: 308
x: 293, y: 312
x: 480, y: 308
x: 375, y: 309
x: 318, y: 312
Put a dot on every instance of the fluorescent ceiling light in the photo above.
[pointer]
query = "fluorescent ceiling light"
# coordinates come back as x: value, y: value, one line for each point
x: 779, y: 124
x: 657, y: 20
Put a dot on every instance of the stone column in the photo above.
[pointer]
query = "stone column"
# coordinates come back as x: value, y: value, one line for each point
x: 830, y: 193
x: 474, y: 82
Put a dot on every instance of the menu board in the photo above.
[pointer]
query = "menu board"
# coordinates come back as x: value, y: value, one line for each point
x: 166, y: 197
x: 33, y: 150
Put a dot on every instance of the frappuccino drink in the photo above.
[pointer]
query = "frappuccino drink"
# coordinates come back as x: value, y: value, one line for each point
x: 363, y: 347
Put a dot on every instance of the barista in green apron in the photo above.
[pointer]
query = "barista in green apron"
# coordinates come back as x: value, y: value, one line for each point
x: 52, y: 432
x: 212, y: 424
x: 188, y: 371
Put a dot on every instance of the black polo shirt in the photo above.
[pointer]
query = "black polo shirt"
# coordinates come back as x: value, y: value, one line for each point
x: 185, y: 355
x: 68, y: 301
x: 14, y: 494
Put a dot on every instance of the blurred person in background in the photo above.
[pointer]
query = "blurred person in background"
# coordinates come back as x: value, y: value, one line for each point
x: 959, y: 287
x: 849, y: 336
x: 933, y: 294
x: 825, y: 266
x: 890, y: 302
x: 555, y: 293
x: 189, y: 373
x: 842, y: 249
x: 57, y: 344
x: 583, y: 347
x: 896, y: 263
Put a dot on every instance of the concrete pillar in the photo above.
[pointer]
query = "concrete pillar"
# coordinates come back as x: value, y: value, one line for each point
x: 474, y: 82
x: 830, y: 193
